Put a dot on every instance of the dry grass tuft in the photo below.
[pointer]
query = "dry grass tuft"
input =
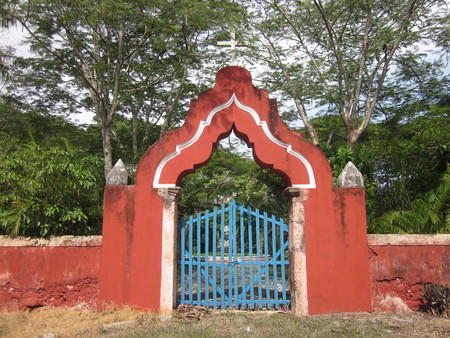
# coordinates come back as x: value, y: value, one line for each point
x: 66, y: 323
x: 197, y: 322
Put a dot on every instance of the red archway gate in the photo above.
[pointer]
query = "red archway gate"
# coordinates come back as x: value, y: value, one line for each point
x: 327, y: 227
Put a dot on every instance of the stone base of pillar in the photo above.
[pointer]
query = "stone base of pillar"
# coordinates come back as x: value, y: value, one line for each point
x: 297, y: 253
x: 169, y: 249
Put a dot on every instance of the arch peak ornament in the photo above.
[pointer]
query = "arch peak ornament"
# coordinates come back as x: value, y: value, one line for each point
x: 235, y: 104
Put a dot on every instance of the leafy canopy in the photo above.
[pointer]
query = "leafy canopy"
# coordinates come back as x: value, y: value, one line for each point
x: 48, y: 190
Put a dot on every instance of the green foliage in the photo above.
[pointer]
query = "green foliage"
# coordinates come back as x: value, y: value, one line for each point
x: 27, y: 124
x: 436, y: 299
x: 229, y: 175
x: 122, y: 138
x: 340, y: 158
x: 405, y: 156
x: 48, y: 190
x: 146, y: 59
x: 430, y: 214
x: 115, y: 57
x: 402, y: 159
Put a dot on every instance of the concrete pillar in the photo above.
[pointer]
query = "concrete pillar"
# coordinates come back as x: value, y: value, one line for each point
x: 297, y: 251
x: 169, y: 246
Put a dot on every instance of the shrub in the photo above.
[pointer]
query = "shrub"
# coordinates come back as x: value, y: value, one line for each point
x: 48, y: 190
x: 436, y: 299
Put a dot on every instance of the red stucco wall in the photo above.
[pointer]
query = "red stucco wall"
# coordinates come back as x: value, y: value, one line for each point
x: 60, y: 272
x: 65, y: 272
x: 401, y: 264
x: 336, y: 250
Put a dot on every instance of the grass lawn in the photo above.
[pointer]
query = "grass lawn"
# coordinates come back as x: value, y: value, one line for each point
x: 193, y: 323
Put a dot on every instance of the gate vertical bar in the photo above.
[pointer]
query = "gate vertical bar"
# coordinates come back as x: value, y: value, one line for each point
x: 214, y: 254
x: 266, y: 260
x: 258, y: 257
x: 274, y: 260
x: 199, y: 245
x: 183, y: 261
x: 222, y: 255
x: 250, y: 246
x: 235, y: 256
x: 207, y: 258
x: 283, y: 259
x: 191, y: 251
x: 230, y: 255
x: 243, y: 263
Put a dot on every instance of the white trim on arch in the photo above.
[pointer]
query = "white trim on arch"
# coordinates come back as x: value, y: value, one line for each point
x: 207, y: 122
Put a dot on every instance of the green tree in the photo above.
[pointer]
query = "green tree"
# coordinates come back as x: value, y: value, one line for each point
x: 105, y: 56
x: 5, y: 56
x: 48, y: 190
x: 348, y: 57
x: 20, y: 121
x: 401, y: 158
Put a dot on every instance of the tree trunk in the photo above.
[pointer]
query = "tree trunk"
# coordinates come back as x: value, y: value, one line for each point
x: 134, y: 129
x: 107, y: 150
x: 309, y: 127
x: 134, y: 123
x: 172, y: 101
x: 352, y: 138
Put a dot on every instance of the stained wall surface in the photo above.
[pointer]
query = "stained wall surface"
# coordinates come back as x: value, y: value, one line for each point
x: 401, y: 264
x: 336, y: 251
x: 64, y: 272
x: 59, y: 272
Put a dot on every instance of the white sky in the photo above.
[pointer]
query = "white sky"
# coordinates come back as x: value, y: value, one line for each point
x: 12, y: 37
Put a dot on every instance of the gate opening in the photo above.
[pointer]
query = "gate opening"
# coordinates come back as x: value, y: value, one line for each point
x: 232, y: 241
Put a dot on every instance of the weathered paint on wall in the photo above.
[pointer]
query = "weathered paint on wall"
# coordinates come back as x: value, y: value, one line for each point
x: 401, y: 264
x: 59, y: 272
x: 65, y: 271
x: 338, y: 272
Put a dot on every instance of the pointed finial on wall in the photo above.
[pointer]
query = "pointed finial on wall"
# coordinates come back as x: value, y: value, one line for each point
x: 350, y: 177
x: 118, y: 175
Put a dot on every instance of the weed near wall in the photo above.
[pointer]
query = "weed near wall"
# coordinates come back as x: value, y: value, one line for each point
x: 436, y: 300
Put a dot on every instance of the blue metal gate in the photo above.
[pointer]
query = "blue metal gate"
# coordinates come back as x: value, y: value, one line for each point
x: 233, y: 257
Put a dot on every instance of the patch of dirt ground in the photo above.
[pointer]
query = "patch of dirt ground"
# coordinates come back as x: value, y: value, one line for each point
x: 197, y: 321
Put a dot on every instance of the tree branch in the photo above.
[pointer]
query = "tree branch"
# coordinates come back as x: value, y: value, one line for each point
x: 308, y: 52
